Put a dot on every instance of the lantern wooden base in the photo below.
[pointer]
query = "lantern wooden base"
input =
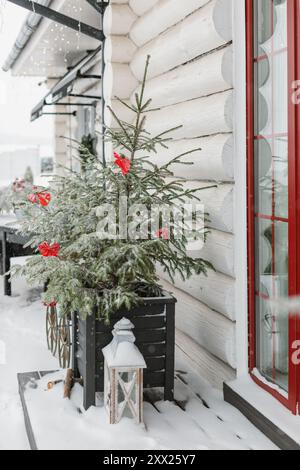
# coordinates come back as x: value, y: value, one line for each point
x: 111, y: 400
x: 154, y: 323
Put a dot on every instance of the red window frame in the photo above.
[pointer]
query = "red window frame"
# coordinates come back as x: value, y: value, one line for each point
x: 293, y: 7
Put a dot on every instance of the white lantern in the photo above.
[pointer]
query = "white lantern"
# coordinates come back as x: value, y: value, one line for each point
x: 123, y: 375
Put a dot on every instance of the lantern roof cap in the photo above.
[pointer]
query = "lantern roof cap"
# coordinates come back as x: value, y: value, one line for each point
x: 122, y: 352
x: 124, y: 324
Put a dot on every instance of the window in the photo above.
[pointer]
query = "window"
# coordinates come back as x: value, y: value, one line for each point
x: 273, y: 127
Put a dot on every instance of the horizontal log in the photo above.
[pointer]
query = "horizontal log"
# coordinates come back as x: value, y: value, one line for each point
x: 218, y: 249
x: 214, y: 162
x: 197, y: 118
x: 166, y: 14
x: 123, y: 113
x: 119, y: 49
x: 140, y: 7
x: 118, y: 20
x: 217, y: 202
x: 215, y: 290
x: 194, y: 36
x: 194, y: 359
x: 118, y: 81
x: 209, y: 329
x: 206, y: 76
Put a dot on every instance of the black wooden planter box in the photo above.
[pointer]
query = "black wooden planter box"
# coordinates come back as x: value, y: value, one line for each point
x: 155, y: 337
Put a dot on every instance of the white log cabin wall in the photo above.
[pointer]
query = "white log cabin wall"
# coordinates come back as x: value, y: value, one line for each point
x: 190, y: 82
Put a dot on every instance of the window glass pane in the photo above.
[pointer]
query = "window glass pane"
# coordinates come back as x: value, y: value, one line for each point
x: 271, y: 176
x: 273, y: 95
x: 271, y: 187
x: 272, y: 258
x: 272, y: 343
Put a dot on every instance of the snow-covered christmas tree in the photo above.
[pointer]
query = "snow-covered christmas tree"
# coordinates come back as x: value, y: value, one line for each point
x: 88, y: 271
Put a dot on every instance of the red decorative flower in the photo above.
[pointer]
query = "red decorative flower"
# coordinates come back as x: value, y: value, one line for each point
x: 48, y: 251
x: 123, y: 163
x: 42, y: 198
x: 163, y: 233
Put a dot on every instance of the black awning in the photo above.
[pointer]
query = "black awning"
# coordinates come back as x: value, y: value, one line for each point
x: 37, y: 111
x: 64, y: 86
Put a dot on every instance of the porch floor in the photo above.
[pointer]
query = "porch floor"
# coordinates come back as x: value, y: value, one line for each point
x: 199, y: 418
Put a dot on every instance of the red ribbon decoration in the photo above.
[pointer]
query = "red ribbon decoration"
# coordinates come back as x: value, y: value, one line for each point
x: 48, y: 251
x: 42, y: 198
x: 123, y: 163
x: 163, y: 233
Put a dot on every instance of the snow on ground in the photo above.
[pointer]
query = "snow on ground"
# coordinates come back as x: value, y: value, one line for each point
x: 63, y: 424
x: 23, y: 349
x: 203, y: 422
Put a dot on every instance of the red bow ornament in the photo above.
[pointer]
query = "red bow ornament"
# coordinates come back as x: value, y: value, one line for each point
x: 48, y: 251
x: 42, y: 198
x: 123, y: 163
x: 163, y: 233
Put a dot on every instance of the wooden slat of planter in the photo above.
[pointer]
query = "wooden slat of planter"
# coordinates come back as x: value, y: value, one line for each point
x: 140, y: 323
x: 148, y: 349
x: 90, y: 364
x: 145, y: 340
x: 142, y: 336
x: 145, y: 310
x: 150, y: 336
x: 152, y: 350
x: 144, y: 323
x: 154, y: 379
x: 156, y: 363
